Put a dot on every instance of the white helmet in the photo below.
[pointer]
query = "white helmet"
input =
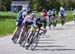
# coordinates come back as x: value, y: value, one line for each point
x: 61, y: 8
x: 24, y: 13
x: 23, y: 9
x: 33, y: 14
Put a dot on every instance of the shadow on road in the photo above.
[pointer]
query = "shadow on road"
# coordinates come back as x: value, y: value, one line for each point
x: 49, y: 45
x: 54, y: 50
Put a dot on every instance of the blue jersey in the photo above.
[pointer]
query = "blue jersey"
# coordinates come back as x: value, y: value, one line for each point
x: 62, y: 12
x: 49, y: 12
x: 19, y: 16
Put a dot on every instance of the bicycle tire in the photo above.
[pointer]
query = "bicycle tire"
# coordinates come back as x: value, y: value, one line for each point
x: 35, y: 40
x: 15, y: 38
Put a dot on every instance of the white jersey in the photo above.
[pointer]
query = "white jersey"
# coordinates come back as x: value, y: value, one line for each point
x: 27, y: 19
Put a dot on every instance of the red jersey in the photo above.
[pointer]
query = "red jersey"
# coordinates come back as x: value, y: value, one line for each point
x: 44, y: 13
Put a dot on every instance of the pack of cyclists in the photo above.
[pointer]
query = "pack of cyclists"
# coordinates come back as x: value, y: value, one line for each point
x: 28, y: 17
x: 52, y: 16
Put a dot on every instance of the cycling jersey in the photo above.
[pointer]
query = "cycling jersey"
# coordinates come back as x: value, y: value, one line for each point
x: 27, y: 19
x: 62, y: 12
x: 19, y: 16
x: 49, y: 12
x: 44, y: 13
x: 39, y: 22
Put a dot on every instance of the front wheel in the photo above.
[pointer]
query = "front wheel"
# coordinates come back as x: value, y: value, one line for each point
x: 35, y: 40
x: 63, y: 21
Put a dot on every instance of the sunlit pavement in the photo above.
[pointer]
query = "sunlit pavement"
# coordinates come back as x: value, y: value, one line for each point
x: 60, y: 40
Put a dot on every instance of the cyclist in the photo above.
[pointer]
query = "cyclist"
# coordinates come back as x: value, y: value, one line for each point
x: 62, y: 14
x: 53, y: 19
x: 74, y: 15
x: 44, y: 17
x: 49, y: 15
x: 19, y: 21
x: 28, y: 20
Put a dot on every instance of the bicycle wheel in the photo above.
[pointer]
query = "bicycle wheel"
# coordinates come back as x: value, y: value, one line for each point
x: 35, y: 40
x: 15, y: 38
x: 21, y: 38
x: 25, y: 39
x: 63, y: 21
x: 28, y: 40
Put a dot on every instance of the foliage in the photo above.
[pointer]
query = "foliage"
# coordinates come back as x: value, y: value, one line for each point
x: 50, y: 4
x: 7, y: 22
x: 39, y: 4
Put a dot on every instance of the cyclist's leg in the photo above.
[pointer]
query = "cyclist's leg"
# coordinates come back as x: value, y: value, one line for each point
x: 45, y: 23
x: 54, y: 23
x: 24, y: 31
x: 29, y: 32
x: 22, y: 35
x: 18, y: 27
x: 49, y: 23
x: 63, y: 20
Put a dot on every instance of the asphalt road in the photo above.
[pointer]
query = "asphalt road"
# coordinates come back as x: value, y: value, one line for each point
x: 60, y: 40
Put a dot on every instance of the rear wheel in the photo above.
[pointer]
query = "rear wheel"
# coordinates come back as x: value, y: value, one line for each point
x: 15, y: 37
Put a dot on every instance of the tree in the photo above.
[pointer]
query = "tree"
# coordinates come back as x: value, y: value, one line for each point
x: 40, y: 4
x: 5, y: 5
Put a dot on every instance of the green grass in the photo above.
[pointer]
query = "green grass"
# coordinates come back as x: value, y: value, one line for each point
x: 7, y: 14
x: 7, y: 21
x: 69, y: 17
x: 7, y: 26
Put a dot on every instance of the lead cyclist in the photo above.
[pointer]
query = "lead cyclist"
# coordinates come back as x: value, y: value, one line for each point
x: 19, y: 20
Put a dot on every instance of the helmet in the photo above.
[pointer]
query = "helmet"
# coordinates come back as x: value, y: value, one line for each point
x: 33, y: 14
x: 61, y: 8
x: 23, y: 9
x: 25, y: 13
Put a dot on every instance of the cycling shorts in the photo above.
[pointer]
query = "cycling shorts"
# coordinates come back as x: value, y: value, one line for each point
x: 26, y: 24
x: 18, y: 23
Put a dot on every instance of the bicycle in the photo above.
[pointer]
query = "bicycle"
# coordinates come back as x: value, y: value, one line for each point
x: 24, y: 36
x: 16, y: 36
x: 52, y: 21
x: 34, y: 38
